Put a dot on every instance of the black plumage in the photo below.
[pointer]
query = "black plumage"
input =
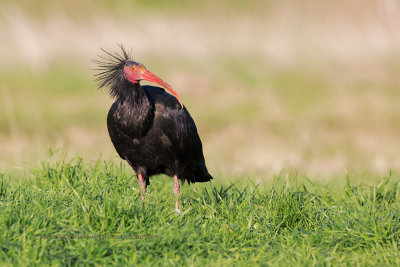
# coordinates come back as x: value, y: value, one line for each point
x: 149, y: 127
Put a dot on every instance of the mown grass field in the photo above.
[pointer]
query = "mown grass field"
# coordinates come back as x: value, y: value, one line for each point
x: 80, y: 213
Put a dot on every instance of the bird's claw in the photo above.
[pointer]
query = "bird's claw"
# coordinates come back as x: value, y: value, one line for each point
x: 178, y: 211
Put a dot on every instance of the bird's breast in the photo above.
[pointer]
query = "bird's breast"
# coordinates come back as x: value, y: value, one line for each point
x: 135, y: 121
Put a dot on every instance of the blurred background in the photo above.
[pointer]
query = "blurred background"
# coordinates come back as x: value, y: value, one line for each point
x: 312, y: 86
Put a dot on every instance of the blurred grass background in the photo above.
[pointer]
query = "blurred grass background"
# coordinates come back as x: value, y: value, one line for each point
x: 308, y: 85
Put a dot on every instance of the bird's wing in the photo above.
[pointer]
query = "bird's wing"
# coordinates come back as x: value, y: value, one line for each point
x: 175, y: 123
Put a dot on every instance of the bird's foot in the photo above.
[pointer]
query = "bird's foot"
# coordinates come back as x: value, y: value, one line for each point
x: 178, y: 211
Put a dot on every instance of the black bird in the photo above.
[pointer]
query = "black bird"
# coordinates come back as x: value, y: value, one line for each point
x: 150, y: 129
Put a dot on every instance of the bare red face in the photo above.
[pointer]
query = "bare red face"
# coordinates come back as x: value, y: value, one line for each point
x: 135, y: 72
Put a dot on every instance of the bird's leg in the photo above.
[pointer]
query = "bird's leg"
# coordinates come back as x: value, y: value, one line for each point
x: 141, y: 185
x: 176, y: 191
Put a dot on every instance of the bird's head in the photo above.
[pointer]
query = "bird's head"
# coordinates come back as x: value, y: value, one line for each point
x: 135, y: 72
x: 118, y: 71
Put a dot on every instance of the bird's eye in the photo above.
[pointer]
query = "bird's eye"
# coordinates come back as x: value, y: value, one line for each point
x: 133, y: 68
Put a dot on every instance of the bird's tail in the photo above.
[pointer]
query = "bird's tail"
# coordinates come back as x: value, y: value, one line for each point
x: 202, y: 174
x: 198, y: 173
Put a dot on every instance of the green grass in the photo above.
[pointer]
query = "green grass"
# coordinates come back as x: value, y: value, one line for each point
x: 80, y: 213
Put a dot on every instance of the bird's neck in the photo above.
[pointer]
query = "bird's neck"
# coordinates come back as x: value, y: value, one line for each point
x: 137, y: 97
x: 135, y: 110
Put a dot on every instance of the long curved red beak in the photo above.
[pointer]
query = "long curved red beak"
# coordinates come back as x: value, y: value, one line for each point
x: 148, y: 76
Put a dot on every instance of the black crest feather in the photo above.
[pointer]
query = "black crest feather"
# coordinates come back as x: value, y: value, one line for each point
x: 111, y: 71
